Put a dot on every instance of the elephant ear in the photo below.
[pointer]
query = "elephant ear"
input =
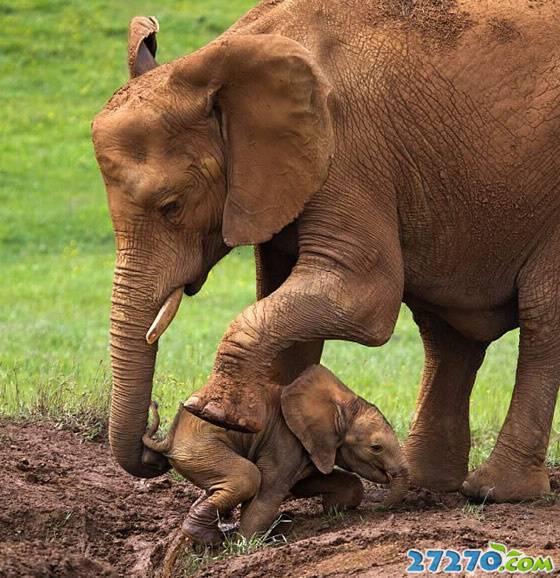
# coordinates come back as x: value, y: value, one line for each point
x: 142, y: 45
x: 313, y: 406
x: 271, y: 98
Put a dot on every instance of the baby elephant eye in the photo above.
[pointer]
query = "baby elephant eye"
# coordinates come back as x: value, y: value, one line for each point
x: 377, y: 448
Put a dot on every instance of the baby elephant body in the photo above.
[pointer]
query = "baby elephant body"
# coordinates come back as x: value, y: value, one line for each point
x: 312, y: 425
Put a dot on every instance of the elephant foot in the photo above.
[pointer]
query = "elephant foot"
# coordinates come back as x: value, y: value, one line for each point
x: 229, y: 406
x: 432, y: 467
x: 495, y: 483
x: 201, y: 523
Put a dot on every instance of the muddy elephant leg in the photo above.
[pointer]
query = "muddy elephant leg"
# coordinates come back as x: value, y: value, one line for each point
x: 438, y: 446
x: 515, y: 470
x: 273, y: 267
x: 201, y: 523
x: 258, y: 515
x: 319, y: 300
x: 338, y: 489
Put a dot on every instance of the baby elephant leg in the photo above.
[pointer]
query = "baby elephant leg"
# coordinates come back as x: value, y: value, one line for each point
x: 339, y: 489
x: 241, y: 484
x: 258, y: 515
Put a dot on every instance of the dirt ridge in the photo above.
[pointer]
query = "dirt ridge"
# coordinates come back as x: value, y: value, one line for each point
x: 67, y: 511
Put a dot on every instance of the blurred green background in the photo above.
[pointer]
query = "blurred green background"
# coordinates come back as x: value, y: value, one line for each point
x: 59, y: 63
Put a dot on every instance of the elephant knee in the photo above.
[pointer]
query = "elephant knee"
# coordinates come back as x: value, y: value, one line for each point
x: 348, y: 492
x: 241, y: 485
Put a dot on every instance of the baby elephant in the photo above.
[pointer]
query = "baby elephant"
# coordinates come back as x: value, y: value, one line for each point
x: 312, y: 425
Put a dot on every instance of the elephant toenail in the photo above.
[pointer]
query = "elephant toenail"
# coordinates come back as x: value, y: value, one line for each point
x: 214, y: 410
x: 192, y: 403
x: 485, y: 492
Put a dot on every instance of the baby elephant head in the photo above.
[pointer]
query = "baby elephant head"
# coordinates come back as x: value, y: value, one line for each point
x: 339, y: 428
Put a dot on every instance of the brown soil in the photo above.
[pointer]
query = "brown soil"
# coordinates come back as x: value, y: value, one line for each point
x: 67, y: 511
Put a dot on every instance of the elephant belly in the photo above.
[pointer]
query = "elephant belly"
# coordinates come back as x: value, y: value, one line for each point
x: 477, y: 324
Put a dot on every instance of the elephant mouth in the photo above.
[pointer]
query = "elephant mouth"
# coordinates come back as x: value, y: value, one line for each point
x: 165, y: 315
x: 378, y: 475
x: 382, y: 477
x: 170, y: 307
x: 193, y: 288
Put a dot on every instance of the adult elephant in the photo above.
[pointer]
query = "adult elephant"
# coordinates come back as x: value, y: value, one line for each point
x: 374, y: 153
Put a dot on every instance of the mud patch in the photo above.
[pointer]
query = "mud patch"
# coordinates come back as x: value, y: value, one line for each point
x: 68, y: 511
x: 439, y: 20
x: 503, y: 30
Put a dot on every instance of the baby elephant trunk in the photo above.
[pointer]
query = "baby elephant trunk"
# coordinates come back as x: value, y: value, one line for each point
x: 398, y: 487
x: 160, y: 446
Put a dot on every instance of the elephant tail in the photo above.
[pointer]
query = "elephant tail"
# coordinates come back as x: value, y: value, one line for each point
x: 161, y: 446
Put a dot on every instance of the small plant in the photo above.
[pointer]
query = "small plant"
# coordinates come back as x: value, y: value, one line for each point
x: 55, y: 528
x: 237, y: 545
x: 233, y: 545
x: 553, y: 460
x: 175, y: 476
x: 475, y: 510
x: 546, y: 500
x: 472, y: 510
x: 334, y: 514
x: 57, y: 398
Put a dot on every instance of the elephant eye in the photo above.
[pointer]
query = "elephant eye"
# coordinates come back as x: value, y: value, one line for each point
x: 171, y: 209
x: 377, y: 448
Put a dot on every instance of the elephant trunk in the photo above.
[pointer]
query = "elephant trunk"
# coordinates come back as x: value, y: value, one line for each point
x: 132, y: 362
x: 398, y: 487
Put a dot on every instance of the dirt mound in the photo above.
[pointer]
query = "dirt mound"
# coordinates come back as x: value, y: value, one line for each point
x: 68, y: 511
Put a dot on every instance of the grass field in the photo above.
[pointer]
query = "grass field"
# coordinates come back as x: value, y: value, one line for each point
x: 59, y: 63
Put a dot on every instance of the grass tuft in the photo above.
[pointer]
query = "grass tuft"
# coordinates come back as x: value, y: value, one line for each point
x: 334, y: 515
x: 473, y: 510
x: 56, y: 399
x: 233, y: 545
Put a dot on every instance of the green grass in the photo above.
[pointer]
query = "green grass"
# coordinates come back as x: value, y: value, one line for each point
x: 474, y: 510
x: 234, y: 544
x: 334, y: 515
x: 59, y: 62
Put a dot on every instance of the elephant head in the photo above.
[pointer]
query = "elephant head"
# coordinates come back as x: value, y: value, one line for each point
x: 337, y: 427
x: 216, y: 149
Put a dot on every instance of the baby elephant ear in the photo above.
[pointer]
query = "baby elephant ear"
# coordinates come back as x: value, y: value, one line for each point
x: 142, y: 45
x: 312, y: 406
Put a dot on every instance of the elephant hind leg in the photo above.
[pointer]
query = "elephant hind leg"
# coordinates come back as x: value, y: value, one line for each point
x: 239, y: 482
x: 338, y: 489
x: 438, y: 446
x: 516, y: 468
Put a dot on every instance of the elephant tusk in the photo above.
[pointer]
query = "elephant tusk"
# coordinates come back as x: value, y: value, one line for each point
x: 165, y: 316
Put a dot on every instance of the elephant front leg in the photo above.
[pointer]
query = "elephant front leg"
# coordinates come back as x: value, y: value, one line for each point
x: 314, y: 304
x: 438, y: 446
x: 258, y: 515
x: 338, y: 489
x: 274, y: 262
